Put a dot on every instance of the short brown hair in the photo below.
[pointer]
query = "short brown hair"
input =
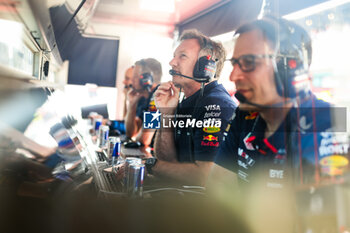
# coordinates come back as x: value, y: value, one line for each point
x: 214, y: 48
x: 152, y: 66
x: 289, y: 38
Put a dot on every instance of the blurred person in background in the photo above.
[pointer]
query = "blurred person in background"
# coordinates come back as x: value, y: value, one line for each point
x: 146, y: 77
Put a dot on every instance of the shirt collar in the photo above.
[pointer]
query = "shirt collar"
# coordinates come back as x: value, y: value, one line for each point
x: 207, y: 88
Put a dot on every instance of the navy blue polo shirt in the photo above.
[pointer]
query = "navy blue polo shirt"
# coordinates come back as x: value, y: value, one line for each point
x: 266, y: 161
x: 200, y: 141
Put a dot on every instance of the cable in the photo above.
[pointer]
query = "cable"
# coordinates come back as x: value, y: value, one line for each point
x: 193, y: 187
x: 173, y: 189
x: 114, y: 193
x: 71, y: 18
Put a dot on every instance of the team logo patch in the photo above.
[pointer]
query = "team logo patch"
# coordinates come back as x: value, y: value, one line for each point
x: 213, y: 107
x: 248, y: 141
x: 152, y: 106
x: 251, y: 116
x: 210, y: 138
x: 211, y: 129
x: 334, y: 165
x: 303, y: 125
x: 335, y: 160
x: 151, y: 120
x: 212, y: 114
x: 211, y: 144
x: 248, y: 160
x: 273, y: 173
x: 242, y: 164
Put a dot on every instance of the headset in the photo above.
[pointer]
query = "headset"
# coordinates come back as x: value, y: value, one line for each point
x: 146, y: 79
x: 293, y: 54
x: 205, y: 68
x: 292, y: 58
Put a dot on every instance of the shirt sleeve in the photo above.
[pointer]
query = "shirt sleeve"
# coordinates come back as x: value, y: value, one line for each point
x: 208, y: 139
x: 227, y: 154
x: 141, y: 107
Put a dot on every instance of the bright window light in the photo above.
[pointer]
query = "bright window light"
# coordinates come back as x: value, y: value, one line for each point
x: 13, y: 34
x: 13, y: 52
x: 158, y: 5
x: 315, y: 9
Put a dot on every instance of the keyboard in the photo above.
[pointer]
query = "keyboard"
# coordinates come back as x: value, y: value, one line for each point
x: 132, y: 152
x: 112, y: 183
x: 101, y: 156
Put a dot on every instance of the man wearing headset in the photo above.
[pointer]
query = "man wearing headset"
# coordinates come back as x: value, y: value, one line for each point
x: 146, y: 77
x: 186, y: 153
x: 280, y: 132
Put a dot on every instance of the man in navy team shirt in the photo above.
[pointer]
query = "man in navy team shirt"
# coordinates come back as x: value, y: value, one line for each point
x: 186, y: 152
x: 146, y: 77
x: 281, y: 136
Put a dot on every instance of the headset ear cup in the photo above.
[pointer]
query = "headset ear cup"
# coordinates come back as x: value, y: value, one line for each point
x: 290, y: 61
x: 284, y: 78
x: 205, y: 68
x: 287, y: 69
x: 146, y: 80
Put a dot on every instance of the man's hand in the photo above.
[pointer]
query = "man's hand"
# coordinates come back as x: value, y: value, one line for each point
x: 126, y: 90
x: 167, y: 97
x: 133, y: 96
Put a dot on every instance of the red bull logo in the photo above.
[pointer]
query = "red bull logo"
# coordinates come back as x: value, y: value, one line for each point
x: 152, y: 106
x: 251, y: 116
x: 210, y: 138
x: 212, y: 144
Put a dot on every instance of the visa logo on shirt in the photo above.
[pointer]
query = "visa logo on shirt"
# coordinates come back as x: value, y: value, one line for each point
x: 213, y: 107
